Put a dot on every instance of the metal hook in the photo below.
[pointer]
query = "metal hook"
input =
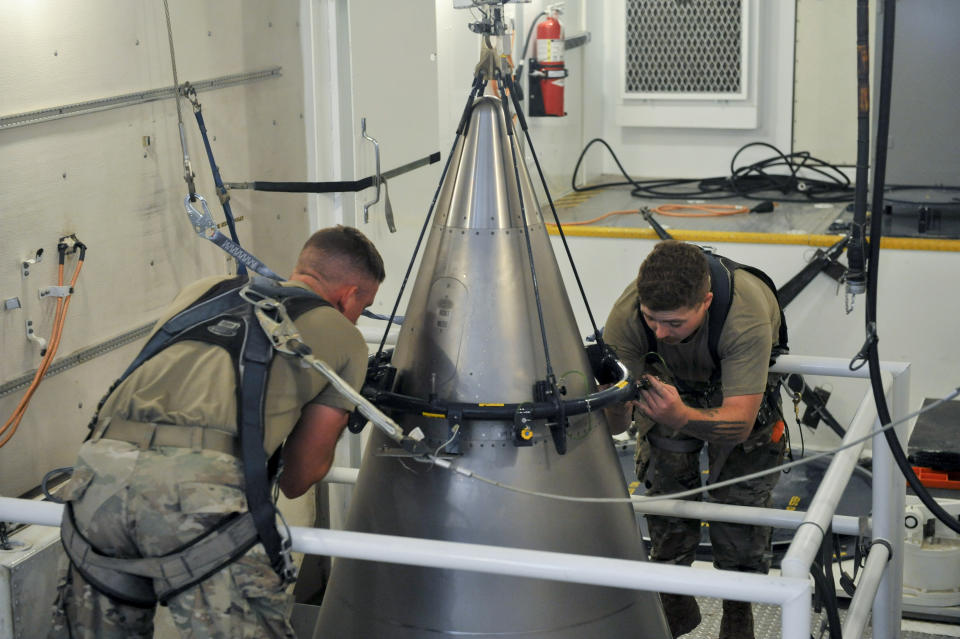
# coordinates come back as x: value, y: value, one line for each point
x: 202, y: 223
x: 376, y: 178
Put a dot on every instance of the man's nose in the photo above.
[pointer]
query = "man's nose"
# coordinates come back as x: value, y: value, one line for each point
x: 661, y: 331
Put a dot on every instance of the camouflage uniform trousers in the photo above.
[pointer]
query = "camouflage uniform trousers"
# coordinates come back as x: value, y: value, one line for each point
x: 132, y: 503
x: 735, y: 546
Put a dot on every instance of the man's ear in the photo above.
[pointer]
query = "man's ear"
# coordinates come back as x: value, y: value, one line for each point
x: 343, y: 295
x: 708, y: 299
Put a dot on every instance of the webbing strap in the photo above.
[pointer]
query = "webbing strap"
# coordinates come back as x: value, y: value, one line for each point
x: 204, y: 226
x: 172, y: 573
x: 254, y: 368
x: 675, y: 445
x: 341, y: 186
x: 212, y: 307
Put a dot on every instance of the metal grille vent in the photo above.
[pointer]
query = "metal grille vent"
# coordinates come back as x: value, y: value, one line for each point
x: 684, y: 46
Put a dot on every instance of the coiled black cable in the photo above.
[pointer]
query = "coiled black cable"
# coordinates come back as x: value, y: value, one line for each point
x: 751, y: 181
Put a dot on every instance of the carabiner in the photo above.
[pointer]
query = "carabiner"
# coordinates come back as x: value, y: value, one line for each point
x: 202, y: 222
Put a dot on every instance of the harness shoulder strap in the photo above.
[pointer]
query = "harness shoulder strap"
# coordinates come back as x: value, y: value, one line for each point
x: 222, y: 317
x: 721, y: 285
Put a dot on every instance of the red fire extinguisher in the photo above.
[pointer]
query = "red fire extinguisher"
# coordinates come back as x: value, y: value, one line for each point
x: 547, y: 71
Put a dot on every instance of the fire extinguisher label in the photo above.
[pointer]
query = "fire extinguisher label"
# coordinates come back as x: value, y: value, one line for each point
x: 550, y: 50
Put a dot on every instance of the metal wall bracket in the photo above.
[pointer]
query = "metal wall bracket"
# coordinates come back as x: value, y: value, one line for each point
x: 376, y: 178
x: 56, y: 291
x: 30, y: 261
x: 33, y: 337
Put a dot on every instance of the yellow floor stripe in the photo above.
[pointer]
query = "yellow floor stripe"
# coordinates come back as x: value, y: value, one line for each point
x: 573, y: 199
x: 690, y: 235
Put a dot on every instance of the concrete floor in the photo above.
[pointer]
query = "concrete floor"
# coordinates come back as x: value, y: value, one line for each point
x: 941, y: 220
x: 787, y: 217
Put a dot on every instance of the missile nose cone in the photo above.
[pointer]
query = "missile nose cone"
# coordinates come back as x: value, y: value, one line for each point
x: 476, y: 334
x: 481, y: 191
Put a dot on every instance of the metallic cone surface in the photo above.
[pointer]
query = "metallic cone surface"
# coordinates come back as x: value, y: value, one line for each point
x: 471, y: 334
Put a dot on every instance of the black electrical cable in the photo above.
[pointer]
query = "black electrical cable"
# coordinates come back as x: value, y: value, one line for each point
x: 508, y: 122
x: 873, y: 357
x: 598, y: 334
x: 856, y: 251
x: 828, y: 595
x: 751, y: 181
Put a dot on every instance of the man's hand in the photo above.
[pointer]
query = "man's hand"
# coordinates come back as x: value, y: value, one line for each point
x: 729, y: 423
x: 661, y: 402
x: 619, y: 415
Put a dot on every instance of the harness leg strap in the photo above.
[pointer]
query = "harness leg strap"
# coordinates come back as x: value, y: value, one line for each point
x: 144, y: 581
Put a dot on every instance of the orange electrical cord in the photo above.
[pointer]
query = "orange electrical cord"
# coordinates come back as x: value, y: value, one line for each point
x: 597, y: 219
x: 706, y: 210
x: 60, y: 316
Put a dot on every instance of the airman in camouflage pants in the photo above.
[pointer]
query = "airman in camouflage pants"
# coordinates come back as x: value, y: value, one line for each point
x: 738, y: 547
x: 139, y: 503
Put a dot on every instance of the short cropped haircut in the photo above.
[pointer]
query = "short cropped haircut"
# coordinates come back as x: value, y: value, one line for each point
x: 339, y: 254
x: 674, y: 275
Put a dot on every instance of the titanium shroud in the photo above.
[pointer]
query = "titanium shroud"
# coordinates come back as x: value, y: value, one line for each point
x: 472, y: 334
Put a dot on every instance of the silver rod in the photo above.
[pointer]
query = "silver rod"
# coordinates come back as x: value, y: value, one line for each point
x: 806, y: 543
x: 129, y: 99
x: 449, y: 555
x: 842, y: 524
x: 889, y: 497
x: 859, y: 610
x: 706, y: 511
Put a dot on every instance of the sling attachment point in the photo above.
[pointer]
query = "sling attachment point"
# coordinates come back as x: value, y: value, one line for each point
x: 205, y: 227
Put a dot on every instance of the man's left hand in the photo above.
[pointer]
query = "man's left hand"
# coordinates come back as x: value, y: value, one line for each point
x: 661, y: 403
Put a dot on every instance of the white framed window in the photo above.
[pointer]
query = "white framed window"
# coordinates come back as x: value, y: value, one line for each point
x: 687, y: 63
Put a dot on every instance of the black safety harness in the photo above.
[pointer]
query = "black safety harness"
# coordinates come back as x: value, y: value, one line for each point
x: 721, y: 285
x: 220, y: 317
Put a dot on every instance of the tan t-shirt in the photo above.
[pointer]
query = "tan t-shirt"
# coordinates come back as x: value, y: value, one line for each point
x: 193, y: 383
x: 749, y: 333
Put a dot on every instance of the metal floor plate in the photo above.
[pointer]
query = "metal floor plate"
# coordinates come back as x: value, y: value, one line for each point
x: 766, y: 622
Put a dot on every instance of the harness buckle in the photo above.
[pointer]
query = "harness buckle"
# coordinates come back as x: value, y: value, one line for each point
x: 276, y: 323
x: 283, y: 564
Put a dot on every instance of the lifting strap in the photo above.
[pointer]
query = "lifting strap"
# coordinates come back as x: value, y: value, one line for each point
x: 223, y: 318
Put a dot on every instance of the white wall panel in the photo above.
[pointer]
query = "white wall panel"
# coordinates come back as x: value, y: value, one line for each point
x: 393, y: 84
x: 653, y: 152
x: 93, y: 176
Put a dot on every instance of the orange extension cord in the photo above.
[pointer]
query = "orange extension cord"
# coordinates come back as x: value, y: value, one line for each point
x: 597, y: 219
x: 63, y: 303
x: 704, y: 210
x: 673, y: 210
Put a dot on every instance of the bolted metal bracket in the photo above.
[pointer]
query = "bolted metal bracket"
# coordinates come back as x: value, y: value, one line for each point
x: 30, y: 261
x: 33, y: 337
x: 56, y: 291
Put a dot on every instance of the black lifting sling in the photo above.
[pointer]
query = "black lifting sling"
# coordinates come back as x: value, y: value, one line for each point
x: 223, y: 318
